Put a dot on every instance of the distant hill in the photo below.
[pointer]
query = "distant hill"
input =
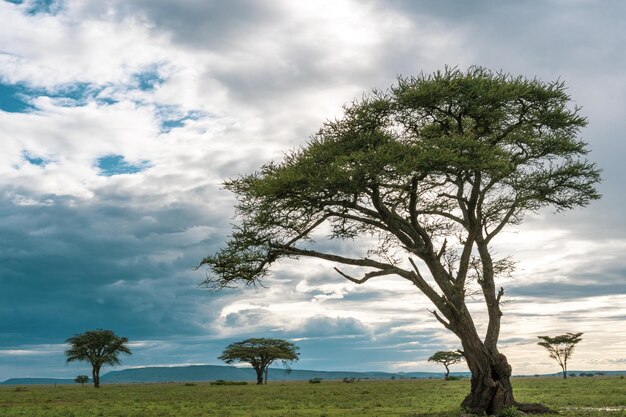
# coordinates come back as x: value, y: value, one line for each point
x: 37, y: 381
x: 232, y: 373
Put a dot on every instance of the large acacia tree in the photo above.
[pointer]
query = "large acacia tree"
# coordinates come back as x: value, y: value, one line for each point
x: 98, y: 347
x: 261, y: 353
x: 422, y: 178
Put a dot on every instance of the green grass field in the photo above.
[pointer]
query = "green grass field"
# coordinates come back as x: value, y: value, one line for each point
x: 576, y: 397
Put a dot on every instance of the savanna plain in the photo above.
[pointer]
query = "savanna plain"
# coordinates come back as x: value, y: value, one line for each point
x: 575, y: 397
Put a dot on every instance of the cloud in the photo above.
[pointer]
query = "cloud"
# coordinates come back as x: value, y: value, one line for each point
x: 331, y: 326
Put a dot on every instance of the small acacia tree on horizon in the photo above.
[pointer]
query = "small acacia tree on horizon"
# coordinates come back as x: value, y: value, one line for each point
x: 561, y: 348
x: 421, y: 178
x: 81, y: 379
x: 98, y: 347
x: 446, y: 358
x: 261, y: 353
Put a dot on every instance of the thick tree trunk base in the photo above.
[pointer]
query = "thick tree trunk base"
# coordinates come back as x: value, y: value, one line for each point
x: 524, y: 408
x: 491, y: 391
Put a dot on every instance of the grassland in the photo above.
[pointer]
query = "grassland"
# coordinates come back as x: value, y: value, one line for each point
x: 576, y: 397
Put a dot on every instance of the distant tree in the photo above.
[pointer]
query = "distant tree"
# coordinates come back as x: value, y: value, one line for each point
x: 446, y: 358
x: 420, y: 180
x: 98, y: 347
x: 561, y: 348
x: 81, y: 379
x: 261, y: 353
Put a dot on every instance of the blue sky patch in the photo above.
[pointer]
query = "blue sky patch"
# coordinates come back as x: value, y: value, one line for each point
x: 45, y: 6
x: 14, y: 98
x: 17, y: 98
x: 148, y: 80
x: 41, y: 6
x: 34, y: 160
x: 116, y: 164
x: 169, y: 122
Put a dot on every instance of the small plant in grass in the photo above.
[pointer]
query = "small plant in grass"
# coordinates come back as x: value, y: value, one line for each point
x: 315, y: 381
x: 510, y: 412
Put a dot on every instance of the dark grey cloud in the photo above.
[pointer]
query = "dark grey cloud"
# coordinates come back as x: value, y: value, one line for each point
x: 213, y: 24
x: 67, y: 268
x: 319, y: 325
x: 568, y: 291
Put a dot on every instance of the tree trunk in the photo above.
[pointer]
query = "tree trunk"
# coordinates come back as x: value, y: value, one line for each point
x: 447, y: 371
x: 491, y: 388
x: 95, y: 373
x: 266, y: 371
x: 564, y: 372
x: 259, y: 376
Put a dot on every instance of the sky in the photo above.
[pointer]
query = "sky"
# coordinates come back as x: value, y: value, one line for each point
x: 120, y: 120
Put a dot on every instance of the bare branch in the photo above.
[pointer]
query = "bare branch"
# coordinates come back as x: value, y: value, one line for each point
x: 366, y: 277
x: 337, y: 258
x: 446, y: 324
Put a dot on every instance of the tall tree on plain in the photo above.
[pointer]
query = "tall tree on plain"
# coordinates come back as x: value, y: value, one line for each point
x: 446, y: 358
x: 98, y: 347
x: 261, y: 353
x: 425, y: 175
x: 561, y: 347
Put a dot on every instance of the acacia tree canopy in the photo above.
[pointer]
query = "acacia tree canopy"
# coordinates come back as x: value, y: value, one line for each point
x: 98, y: 347
x: 261, y: 353
x: 446, y: 358
x: 561, y: 348
x: 425, y: 176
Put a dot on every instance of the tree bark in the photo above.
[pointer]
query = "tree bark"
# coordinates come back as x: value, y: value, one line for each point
x: 95, y: 373
x: 259, y: 376
x: 491, y: 388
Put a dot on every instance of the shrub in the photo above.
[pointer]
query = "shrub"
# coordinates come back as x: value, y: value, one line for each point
x: 222, y: 382
x: 509, y: 412
x: 315, y: 380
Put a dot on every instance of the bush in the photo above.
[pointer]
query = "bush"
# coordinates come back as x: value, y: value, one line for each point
x: 453, y: 378
x: 315, y: 381
x: 222, y: 382
x: 509, y: 412
x: 189, y: 384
